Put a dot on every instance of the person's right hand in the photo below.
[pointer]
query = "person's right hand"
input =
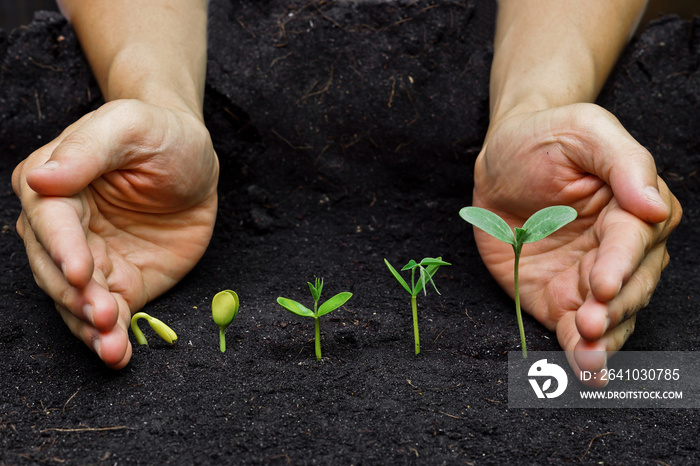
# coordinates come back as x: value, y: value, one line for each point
x: 115, y: 211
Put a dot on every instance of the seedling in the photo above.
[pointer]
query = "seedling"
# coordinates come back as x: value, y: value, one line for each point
x: 163, y: 331
x: 331, y: 305
x: 426, y: 268
x: 542, y: 224
x: 224, y: 308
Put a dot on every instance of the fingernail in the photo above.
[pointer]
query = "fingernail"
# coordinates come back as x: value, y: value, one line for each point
x: 653, y: 195
x: 87, y: 312
x: 50, y: 165
x: 96, y: 345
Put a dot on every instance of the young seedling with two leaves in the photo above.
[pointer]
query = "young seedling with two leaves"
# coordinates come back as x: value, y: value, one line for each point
x: 163, y: 331
x: 540, y: 225
x: 426, y: 269
x: 224, y: 308
x: 331, y: 305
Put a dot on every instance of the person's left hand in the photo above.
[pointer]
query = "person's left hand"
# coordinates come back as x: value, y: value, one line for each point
x: 587, y: 281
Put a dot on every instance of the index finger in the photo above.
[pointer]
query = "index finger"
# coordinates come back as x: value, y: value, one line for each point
x: 59, y: 225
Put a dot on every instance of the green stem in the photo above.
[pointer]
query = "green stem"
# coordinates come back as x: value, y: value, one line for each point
x: 416, y: 335
x: 222, y: 340
x: 317, y: 332
x: 140, y: 338
x: 517, y: 302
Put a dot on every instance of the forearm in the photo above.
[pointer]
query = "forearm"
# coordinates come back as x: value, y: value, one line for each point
x: 151, y: 50
x: 549, y: 53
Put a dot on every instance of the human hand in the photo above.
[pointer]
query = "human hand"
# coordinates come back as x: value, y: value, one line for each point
x: 588, y: 281
x: 115, y: 211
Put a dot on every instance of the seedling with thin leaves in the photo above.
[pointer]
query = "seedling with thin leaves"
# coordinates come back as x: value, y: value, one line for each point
x: 331, y: 305
x: 540, y: 225
x: 426, y: 269
x: 163, y: 331
x: 224, y: 308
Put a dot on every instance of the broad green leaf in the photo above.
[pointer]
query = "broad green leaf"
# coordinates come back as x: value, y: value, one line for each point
x: 411, y: 265
x: 163, y: 331
x: 294, y: 307
x: 489, y: 222
x: 398, y: 277
x: 334, y: 303
x: 546, y: 221
x: 224, y: 307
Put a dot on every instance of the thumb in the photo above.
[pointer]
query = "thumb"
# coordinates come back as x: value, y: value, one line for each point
x: 634, y: 184
x: 96, y: 144
x: 624, y: 164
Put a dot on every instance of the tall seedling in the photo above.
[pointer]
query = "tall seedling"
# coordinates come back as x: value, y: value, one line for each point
x: 426, y: 269
x: 540, y: 225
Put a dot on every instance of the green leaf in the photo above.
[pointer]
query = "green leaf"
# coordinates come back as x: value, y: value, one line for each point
x: 398, y: 277
x: 224, y: 307
x: 334, y: 303
x: 428, y: 273
x: 546, y: 221
x: 423, y: 274
x: 436, y: 261
x: 411, y: 265
x: 316, y: 289
x: 295, y: 308
x: 489, y: 222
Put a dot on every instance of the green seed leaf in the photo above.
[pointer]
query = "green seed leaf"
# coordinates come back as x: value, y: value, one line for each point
x: 334, y: 303
x: 295, y: 308
x: 398, y: 277
x: 224, y: 307
x: 489, y: 222
x: 546, y: 221
x: 163, y: 331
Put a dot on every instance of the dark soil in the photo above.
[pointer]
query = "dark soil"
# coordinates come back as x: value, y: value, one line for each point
x: 347, y: 133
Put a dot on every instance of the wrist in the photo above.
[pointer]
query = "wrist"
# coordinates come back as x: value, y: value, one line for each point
x: 133, y: 75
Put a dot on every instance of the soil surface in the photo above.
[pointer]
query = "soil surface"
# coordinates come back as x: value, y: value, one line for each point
x: 347, y: 133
